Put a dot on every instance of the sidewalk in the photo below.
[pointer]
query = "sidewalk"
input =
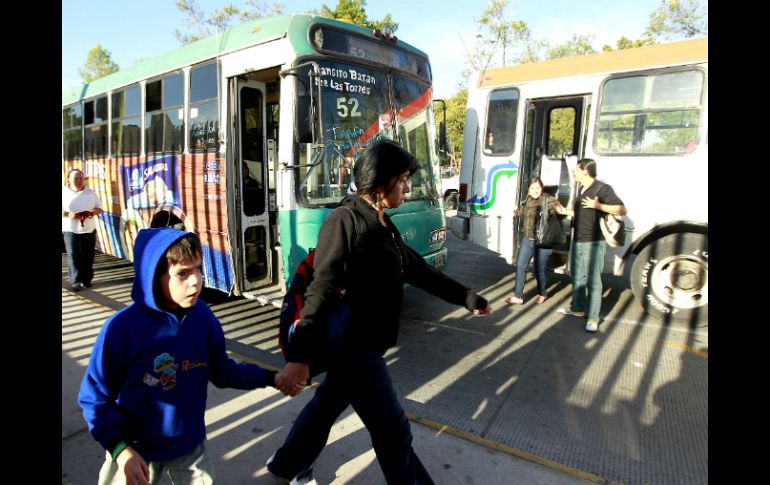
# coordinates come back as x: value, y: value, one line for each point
x: 244, y: 428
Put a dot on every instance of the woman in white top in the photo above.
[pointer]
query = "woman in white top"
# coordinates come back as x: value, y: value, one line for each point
x: 79, y: 206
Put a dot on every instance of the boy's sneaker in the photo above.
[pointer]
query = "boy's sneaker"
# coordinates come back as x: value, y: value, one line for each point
x: 303, y: 478
x: 569, y: 311
x: 592, y: 326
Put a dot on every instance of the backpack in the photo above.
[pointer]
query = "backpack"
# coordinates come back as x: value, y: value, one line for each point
x: 548, y: 230
x: 614, y: 229
x: 335, y: 318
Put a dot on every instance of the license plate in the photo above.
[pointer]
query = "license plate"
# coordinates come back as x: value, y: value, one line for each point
x: 439, y: 261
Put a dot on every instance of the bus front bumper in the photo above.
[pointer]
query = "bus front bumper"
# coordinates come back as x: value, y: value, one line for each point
x: 437, y: 259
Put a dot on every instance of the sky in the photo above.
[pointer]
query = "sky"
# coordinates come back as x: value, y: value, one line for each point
x: 444, y: 29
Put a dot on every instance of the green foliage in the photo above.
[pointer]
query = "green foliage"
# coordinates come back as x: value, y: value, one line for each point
x: 562, y: 131
x: 199, y: 26
x: 498, y: 34
x: 98, y: 64
x: 578, y: 45
x: 675, y: 19
x: 456, y: 107
x: 353, y: 11
x: 626, y: 43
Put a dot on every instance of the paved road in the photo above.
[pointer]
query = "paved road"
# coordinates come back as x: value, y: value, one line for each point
x: 523, y: 387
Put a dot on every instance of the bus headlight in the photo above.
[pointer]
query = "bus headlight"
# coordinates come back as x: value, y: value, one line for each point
x: 438, y: 236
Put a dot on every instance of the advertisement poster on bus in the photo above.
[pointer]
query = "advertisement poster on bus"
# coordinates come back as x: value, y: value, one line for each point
x: 151, y: 184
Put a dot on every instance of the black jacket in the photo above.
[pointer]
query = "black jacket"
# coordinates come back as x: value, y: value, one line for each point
x: 373, y: 275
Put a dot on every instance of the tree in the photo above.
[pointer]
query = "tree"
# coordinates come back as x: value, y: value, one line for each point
x: 352, y: 11
x: 578, y: 45
x: 497, y: 34
x: 98, y: 64
x: 199, y: 26
x: 455, y: 120
x: 679, y: 18
x: 626, y: 43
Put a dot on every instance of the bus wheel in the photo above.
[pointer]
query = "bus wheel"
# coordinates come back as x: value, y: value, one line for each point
x: 450, y: 200
x: 670, y: 277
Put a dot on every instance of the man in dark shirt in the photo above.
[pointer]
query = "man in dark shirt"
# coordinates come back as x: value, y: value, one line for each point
x: 588, y: 250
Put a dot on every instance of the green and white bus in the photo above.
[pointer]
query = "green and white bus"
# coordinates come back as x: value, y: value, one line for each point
x: 248, y: 138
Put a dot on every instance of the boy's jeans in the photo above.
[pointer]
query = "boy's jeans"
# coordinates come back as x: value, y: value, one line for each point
x: 195, y: 467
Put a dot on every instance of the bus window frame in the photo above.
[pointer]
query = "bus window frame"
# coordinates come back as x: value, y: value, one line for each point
x: 485, y: 133
x: 189, y: 104
x: 105, y: 123
x: 163, y: 109
x: 113, y: 120
x: 65, y: 131
x: 428, y: 78
x: 648, y: 73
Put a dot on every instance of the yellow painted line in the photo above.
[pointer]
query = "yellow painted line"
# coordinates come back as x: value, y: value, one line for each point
x: 455, y: 432
x: 511, y: 451
x: 687, y: 348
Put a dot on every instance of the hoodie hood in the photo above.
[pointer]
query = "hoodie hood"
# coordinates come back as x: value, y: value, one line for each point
x: 151, y: 245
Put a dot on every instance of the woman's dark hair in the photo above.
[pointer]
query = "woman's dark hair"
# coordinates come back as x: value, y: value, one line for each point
x: 588, y: 165
x: 535, y: 180
x: 379, y: 163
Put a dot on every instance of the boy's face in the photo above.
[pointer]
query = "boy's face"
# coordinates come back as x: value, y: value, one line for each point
x: 181, y: 284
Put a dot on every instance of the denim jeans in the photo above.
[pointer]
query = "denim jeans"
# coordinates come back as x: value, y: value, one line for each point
x: 526, y: 250
x: 195, y: 467
x: 80, y: 256
x: 587, y: 265
x: 362, y: 381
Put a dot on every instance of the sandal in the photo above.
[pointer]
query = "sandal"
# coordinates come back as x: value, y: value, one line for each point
x: 540, y: 299
x: 512, y: 300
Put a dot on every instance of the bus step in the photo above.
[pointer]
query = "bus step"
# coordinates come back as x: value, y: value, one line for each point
x: 270, y: 295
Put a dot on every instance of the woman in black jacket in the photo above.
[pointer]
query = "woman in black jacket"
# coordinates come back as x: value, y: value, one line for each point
x: 373, y: 268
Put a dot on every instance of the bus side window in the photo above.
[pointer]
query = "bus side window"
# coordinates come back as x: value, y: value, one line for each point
x: 502, y: 107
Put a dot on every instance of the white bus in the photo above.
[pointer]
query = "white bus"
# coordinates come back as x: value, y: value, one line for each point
x: 642, y: 114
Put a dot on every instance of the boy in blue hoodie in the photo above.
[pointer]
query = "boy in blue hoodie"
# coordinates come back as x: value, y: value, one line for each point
x: 144, y: 392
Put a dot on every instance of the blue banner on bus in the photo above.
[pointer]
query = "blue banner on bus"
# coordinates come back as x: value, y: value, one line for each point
x: 152, y: 183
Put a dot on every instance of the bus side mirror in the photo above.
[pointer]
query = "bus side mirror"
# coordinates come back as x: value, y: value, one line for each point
x: 442, y: 135
x: 304, y: 128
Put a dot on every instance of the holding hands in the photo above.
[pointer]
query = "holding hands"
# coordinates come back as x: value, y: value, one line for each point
x: 293, y: 378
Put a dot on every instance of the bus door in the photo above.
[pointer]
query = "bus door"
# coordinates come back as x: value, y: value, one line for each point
x: 553, y: 142
x: 254, y: 267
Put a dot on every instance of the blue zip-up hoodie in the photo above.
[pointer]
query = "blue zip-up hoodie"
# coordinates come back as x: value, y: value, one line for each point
x: 147, y: 378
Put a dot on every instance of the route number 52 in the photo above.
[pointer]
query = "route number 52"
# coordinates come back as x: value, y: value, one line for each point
x: 348, y: 107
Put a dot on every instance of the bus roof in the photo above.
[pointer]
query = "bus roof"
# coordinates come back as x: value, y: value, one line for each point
x: 660, y: 55
x: 235, y: 38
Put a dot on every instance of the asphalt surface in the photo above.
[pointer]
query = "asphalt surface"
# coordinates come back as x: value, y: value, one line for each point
x: 522, y: 396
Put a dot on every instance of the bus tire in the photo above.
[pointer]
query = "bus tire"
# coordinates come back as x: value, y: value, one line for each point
x: 450, y: 200
x: 669, y: 277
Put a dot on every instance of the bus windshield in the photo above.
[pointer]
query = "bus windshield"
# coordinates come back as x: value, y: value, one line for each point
x: 361, y: 104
